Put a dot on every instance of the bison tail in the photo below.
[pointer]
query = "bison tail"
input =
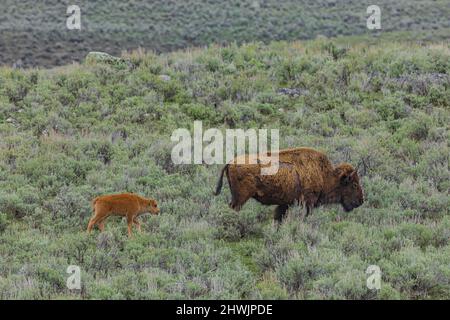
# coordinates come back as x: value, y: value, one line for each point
x: 220, y: 182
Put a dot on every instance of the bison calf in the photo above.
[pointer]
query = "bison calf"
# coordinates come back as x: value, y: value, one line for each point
x: 305, y: 176
x: 126, y: 204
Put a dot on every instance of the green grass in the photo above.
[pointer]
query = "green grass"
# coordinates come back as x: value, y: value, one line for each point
x: 71, y: 133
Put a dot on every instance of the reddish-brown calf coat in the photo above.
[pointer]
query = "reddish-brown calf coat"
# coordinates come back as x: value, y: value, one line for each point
x: 128, y: 205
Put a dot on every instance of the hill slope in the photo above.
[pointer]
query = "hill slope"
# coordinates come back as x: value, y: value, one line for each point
x: 69, y: 134
x: 35, y: 32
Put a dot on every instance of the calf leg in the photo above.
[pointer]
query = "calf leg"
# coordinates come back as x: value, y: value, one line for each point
x: 92, y: 222
x: 101, y: 224
x: 137, y: 223
x: 130, y: 225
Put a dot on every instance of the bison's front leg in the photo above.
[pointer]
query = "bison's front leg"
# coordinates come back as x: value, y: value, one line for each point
x: 310, y: 203
x: 308, y: 209
x: 307, y: 212
x: 280, y: 211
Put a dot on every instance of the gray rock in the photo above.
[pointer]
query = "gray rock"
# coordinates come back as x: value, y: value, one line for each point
x: 18, y: 64
x: 164, y: 77
x: 105, y: 58
x: 256, y: 5
x: 293, y: 92
x: 119, y: 134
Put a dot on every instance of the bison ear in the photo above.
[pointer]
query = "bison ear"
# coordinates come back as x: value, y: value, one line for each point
x: 347, y: 177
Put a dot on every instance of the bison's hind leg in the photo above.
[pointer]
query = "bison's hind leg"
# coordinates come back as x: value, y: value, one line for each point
x: 239, y: 199
x: 280, y: 211
x: 235, y: 205
x: 241, y: 189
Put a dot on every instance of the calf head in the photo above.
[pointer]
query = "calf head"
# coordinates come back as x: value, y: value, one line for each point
x: 152, y: 207
x: 349, y: 188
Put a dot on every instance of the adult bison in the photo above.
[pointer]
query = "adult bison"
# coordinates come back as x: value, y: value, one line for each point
x: 305, y: 176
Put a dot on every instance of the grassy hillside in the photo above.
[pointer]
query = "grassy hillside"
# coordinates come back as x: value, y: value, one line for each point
x: 71, y: 133
x: 35, y: 31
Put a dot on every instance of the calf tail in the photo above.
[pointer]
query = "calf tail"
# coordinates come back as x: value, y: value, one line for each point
x: 220, y: 182
x: 93, y: 203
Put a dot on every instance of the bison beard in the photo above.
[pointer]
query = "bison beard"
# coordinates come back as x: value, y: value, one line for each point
x: 305, y: 177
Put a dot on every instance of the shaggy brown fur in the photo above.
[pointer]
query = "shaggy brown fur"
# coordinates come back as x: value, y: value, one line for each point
x: 126, y: 204
x: 305, y: 176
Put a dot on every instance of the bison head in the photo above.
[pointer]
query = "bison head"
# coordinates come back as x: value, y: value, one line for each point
x: 349, y: 189
x: 152, y: 207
